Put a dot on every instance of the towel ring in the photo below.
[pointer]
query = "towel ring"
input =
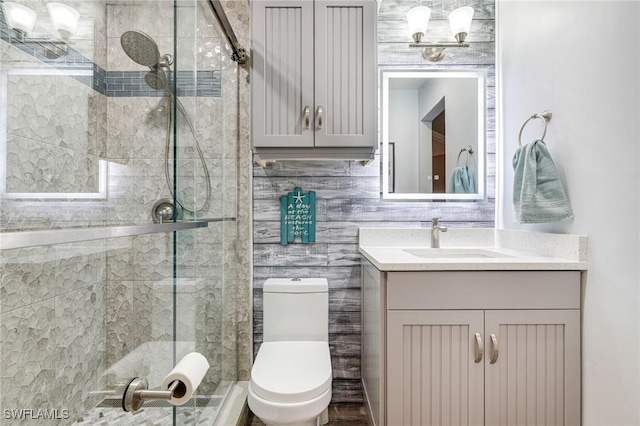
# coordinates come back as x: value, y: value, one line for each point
x: 545, y: 116
x: 468, y: 150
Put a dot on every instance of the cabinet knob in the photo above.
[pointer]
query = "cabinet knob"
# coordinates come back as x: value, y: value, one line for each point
x: 319, y: 117
x: 479, y: 348
x: 306, y: 117
x: 494, y: 349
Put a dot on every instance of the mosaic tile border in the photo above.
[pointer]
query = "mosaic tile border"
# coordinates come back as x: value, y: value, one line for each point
x: 132, y: 84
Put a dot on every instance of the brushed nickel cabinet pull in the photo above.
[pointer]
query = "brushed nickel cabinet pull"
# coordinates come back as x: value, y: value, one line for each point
x: 306, y: 117
x: 479, y: 348
x: 319, y: 117
x: 494, y: 349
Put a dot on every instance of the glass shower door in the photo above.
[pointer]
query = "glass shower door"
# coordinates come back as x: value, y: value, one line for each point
x: 206, y: 135
x: 92, y: 292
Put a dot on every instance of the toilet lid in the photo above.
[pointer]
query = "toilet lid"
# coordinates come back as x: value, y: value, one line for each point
x: 291, y: 371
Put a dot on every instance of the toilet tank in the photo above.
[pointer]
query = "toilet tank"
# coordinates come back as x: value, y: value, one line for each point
x: 296, y: 309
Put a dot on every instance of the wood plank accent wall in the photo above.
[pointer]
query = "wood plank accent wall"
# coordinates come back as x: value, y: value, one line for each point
x: 348, y: 196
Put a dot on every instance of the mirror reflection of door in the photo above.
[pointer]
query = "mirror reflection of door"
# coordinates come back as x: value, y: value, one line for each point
x: 438, y: 152
x: 432, y: 149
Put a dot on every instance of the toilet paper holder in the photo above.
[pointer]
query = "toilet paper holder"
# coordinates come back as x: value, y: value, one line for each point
x: 137, y: 391
x: 178, y: 386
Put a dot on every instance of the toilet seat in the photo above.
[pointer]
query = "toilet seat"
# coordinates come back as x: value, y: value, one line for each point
x: 291, y: 372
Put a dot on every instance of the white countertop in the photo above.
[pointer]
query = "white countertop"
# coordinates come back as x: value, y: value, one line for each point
x: 510, y: 250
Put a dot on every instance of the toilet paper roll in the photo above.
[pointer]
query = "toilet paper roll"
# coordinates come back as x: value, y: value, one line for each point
x: 190, y: 371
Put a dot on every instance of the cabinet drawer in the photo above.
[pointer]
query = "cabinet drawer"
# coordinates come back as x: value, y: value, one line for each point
x: 484, y: 290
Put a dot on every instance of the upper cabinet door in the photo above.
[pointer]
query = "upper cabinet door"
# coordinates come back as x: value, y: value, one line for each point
x: 345, y: 70
x: 282, y: 73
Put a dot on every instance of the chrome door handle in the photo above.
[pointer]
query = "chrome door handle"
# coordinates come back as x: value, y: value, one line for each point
x: 306, y: 117
x: 319, y: 117
x: 494, y: 349
x: 479, y: 348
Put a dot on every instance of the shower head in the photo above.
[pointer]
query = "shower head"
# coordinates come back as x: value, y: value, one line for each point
x: 141, y: 48
x: 157, y: 79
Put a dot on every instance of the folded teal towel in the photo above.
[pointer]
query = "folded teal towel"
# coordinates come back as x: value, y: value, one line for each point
x: 462, y: 181
x: 538, y: 195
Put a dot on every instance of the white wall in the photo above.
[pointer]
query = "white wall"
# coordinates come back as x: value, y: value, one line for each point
x: 403, y: 105
x: 581, y: 60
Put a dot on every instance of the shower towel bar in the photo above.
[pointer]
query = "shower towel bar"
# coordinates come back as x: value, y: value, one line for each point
x: 545, y: 116
x: 17, y: 240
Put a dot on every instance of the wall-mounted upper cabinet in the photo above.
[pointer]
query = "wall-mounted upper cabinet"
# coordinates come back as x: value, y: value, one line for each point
x: 313, y: 84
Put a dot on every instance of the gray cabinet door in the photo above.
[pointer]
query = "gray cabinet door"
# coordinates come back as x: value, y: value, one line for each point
x: 434, y: 374
x: 535, y: 376
x: 282, y: 73
x: 345, y: 70
x: 313, y: 73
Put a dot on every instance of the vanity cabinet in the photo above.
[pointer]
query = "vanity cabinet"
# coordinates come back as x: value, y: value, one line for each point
x: 313, y: 73
x: 433, y: 378
x: 472, y: 348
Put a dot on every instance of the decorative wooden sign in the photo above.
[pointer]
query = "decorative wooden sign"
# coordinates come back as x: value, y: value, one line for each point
x: 298, y: 217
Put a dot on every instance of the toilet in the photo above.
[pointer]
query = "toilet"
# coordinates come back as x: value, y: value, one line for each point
x: 291, y: 376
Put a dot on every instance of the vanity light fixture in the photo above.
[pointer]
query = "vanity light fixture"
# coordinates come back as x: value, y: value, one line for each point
x: 64, y: 18
x: 22, y: 20
x: 459, y: 20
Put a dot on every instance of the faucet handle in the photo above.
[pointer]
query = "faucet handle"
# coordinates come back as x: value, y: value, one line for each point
x: 435, y: 223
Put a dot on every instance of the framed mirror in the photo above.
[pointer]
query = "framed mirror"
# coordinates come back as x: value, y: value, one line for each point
x: 433, y: 134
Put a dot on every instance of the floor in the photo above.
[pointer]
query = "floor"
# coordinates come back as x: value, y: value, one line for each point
x: 339, y: 415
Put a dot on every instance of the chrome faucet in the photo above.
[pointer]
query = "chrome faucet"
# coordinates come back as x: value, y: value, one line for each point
x: 435, y: 232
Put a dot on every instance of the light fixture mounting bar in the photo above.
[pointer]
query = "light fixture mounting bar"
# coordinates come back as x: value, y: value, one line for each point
x: 438, y: 44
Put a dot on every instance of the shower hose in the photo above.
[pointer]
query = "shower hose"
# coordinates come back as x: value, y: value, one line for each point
x: 170, y: 122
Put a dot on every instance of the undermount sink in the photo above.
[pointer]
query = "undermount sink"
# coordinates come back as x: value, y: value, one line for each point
x: 464, y: 253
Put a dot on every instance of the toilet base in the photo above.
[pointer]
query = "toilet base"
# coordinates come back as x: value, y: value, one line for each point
x: 280, y: 414
x: 321, y: 420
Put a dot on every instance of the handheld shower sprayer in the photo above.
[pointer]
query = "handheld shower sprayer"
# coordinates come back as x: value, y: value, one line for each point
x: 143, y: 50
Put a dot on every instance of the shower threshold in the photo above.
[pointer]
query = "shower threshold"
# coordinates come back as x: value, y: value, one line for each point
x: 201, y: 410
x: 200, y: 401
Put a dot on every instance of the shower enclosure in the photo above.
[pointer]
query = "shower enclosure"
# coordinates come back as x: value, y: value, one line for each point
x: 117, y: 210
